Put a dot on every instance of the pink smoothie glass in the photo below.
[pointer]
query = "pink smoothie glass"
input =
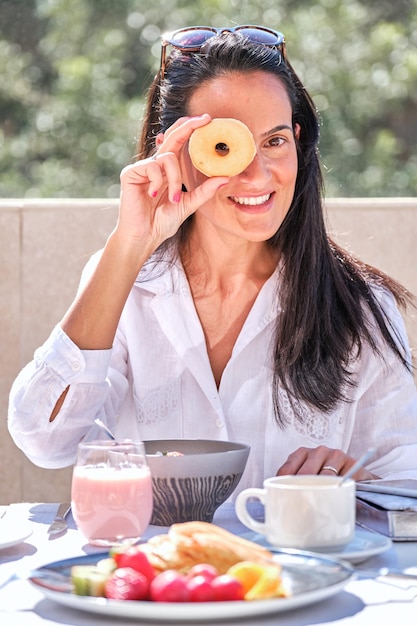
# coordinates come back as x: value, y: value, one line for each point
x: 111, y: 492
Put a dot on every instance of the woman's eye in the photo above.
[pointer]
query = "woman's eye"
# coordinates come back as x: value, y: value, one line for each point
x: 276, y: 141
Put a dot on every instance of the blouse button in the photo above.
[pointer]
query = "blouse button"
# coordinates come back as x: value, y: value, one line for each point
x: 75, y: 366
x: 219, y: 423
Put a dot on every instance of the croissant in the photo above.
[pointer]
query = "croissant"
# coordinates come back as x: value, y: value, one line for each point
x: 190, y: 543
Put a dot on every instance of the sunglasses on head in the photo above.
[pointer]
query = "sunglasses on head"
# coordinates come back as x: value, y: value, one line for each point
x: 191, y: 39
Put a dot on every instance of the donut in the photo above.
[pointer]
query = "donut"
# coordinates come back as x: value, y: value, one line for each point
x: 224, y: 147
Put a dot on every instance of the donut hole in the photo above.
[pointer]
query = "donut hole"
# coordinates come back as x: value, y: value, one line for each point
x: 222, y: 149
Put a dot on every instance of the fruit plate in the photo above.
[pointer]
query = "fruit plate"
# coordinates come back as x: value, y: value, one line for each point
x: 309, y: 578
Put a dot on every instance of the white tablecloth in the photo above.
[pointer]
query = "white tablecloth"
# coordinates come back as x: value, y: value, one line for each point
x: 363, y: 602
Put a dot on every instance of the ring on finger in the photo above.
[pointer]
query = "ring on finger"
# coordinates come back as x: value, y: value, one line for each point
x: 330, y: 468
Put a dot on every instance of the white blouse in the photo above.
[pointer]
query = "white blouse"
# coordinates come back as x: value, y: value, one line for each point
x: 156, y: 382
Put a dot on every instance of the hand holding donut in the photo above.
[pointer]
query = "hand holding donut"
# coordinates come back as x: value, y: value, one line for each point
x: 152, y: 203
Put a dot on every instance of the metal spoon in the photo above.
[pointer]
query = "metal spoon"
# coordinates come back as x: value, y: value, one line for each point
x: 105, y: 428
x: 359, y: 463
x: 110, y: 434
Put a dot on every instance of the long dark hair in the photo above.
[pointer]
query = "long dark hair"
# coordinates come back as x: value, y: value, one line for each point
x: 329, y: 305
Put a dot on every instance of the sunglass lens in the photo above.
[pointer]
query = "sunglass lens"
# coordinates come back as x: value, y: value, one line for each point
x: 191, y: 38
x: 264, y: 37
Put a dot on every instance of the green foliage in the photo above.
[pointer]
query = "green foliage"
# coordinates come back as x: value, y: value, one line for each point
x: 75, y: 72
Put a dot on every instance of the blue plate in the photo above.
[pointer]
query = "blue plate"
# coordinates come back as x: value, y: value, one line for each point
x: 309, y: 578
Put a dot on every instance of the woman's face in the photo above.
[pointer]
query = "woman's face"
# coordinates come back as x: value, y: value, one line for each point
x: 253, y: 204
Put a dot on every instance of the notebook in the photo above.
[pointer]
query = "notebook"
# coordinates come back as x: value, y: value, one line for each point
x: 388, y: 509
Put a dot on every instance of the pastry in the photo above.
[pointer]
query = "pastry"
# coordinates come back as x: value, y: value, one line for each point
x: 190, y: 543
x: 224, y: 147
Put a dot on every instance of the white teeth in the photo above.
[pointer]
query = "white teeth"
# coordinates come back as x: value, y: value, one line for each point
x: 252, y: 201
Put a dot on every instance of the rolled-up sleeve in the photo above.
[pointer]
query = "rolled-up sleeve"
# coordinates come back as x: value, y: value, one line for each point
x: 59, y: 364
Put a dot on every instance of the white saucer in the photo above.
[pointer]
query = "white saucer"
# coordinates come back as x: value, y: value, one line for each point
x: 12, y: 534
x: 363, y: 545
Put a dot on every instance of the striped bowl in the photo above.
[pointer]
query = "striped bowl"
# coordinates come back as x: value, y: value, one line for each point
x: 192, y: 485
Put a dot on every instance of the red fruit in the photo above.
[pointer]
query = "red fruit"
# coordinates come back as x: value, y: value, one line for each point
x: 227, y: 588
x: 203, y: 569
x: 169, y: 586
x: 127, y: 584
x: 137, y: 560
x: 200, y: 589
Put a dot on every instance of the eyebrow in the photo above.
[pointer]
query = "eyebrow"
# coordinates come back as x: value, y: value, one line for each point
x: 277, y: 129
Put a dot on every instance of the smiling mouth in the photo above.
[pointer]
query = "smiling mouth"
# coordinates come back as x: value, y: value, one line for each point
x: 251, y: 200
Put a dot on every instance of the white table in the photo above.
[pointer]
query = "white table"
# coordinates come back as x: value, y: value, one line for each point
x: 362, y: 602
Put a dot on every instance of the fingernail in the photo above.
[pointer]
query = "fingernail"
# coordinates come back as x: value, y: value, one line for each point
x: 177, y: 196
x: 154, y: 194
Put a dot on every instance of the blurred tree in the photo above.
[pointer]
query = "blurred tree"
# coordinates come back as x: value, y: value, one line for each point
x: 74, y: 74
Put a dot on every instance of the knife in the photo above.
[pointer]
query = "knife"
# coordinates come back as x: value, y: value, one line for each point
x: 59, y: 525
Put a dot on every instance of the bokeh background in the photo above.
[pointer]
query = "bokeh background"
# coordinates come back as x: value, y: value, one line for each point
x: 74, y: 73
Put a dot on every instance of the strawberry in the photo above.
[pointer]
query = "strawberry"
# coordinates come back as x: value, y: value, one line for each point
x: 136, y: 559
x: 127, y: 584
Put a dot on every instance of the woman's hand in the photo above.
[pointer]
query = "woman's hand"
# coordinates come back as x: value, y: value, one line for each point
x: 152, y: 208
x: 321, y: 460
x: 152, y: 203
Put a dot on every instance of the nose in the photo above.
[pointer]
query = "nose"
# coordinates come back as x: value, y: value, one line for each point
x: 257, y: 170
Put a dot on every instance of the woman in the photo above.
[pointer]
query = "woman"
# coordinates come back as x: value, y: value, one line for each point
x: 219, y: 308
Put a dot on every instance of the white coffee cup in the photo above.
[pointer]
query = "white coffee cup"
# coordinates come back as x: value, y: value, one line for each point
x: 307, y: 512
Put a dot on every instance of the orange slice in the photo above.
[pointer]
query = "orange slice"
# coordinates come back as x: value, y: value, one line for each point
x: 268, y: 585
x: 246, y: 572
